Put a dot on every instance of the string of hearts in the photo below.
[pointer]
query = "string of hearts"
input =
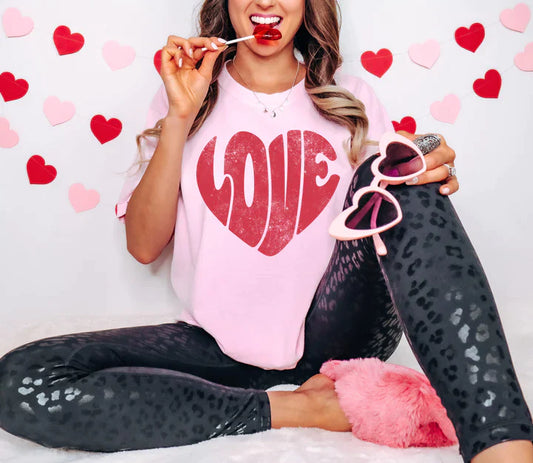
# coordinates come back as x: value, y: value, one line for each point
x: 118, y: 57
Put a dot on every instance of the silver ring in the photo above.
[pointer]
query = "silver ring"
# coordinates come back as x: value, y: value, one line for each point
x: 427, y: 143
x: 452, y: 171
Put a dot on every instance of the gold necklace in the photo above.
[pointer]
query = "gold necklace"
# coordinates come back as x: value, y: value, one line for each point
x: 267, y: 110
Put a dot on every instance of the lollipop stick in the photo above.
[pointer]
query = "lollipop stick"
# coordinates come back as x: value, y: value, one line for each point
x: 231, y: 42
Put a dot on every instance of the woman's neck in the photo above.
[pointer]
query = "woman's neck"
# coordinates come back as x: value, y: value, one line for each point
x: 260, y: 74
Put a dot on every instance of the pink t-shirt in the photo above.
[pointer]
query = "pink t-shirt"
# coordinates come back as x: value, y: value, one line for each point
x: 257, y: 197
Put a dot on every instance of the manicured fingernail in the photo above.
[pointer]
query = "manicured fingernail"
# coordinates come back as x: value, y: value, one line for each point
x: 180, y: 62
x: 190, y: 52
x: 445, y: 191
x: 214, y: 46
x: 222, y: 40
x: 413, y: 181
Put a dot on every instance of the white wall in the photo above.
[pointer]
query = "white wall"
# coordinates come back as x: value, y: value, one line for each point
x: 56, y: 262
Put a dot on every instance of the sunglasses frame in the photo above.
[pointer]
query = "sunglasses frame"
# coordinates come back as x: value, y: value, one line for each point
x: 338, y: 228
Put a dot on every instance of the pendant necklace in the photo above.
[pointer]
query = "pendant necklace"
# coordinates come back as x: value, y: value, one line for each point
x: 273, y: 112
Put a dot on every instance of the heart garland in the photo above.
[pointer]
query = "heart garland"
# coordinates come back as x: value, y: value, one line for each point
x: 408, y: 124
x: 39, y: 173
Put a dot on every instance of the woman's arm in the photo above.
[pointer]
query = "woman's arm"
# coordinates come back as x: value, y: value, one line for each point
x: 151, y: 214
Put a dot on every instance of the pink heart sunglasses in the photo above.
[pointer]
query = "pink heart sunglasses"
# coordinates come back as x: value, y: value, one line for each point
x: 374, y: 209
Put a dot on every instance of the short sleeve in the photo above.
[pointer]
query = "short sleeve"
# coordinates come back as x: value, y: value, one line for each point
x: 158, y: 109
x: 379, y: 121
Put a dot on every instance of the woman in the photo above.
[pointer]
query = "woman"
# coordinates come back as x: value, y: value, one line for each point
x: 233, y: 177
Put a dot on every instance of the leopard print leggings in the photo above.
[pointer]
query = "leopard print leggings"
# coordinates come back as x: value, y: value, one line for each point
x: 169, y: 385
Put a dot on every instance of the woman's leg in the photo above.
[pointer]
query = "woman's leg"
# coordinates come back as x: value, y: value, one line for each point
x: 128, y: 388
x: 450, y: 319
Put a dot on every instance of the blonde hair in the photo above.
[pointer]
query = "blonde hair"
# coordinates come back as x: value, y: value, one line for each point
x: 318, y: 42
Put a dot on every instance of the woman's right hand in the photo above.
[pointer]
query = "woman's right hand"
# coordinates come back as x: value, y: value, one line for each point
x: 185, y: 85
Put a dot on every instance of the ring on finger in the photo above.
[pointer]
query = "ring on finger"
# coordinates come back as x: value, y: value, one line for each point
x: 452, y: 171
x: 428, y: 142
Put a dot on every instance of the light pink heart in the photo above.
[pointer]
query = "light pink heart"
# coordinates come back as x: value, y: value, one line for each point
x: 524, y: 61
x: 8, y: 138
x: 446, y: 110
x: 58, y: 112
x: 425, y: 54
x: 517, y: 18
x: 118, y: 56
x: 16, y: 25
x: 81, y: 198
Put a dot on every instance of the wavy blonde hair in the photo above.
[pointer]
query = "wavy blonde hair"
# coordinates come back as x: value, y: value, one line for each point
x: 318, y: 42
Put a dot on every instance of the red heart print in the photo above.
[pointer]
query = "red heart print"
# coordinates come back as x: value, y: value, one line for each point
x: 471, y: 38
x: 271, y: 221
x: 377, y: 63
x: 67, y: 43
x: 157, y: 60
x: 490, y: 86
x: 11, y: 88
x: 105, y: 130
x: 38, y: 172
x: 408, y: 124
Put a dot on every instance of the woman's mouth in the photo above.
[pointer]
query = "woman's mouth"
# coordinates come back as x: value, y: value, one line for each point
x: 270, y: 20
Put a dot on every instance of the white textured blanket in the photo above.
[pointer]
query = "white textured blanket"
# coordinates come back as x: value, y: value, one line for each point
x: 275, y: 446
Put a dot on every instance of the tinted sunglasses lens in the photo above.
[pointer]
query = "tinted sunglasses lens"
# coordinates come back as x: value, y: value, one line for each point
x: 374, y: 210
x: 401, y: 161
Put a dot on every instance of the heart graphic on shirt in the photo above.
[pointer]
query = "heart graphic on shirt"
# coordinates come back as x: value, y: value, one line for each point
x: 11, y: 88
x: 286, y: 196
x: 105, y: 130
x: 490, y: 86
x: 408, y: 124
x: 377, y: 63
x: 470, y: 38
x: 67, y: 43
x: 40, y: 173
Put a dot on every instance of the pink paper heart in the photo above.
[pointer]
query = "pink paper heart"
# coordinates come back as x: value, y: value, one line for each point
x: 118, y: 56
x: 446, y: 110
x: 58, y: 112
x: 16, y: 25
x: 517, y: 18
x: 8, y: 138
x: 425, y: 54
x: 81, y: 198
x: 524, y: 61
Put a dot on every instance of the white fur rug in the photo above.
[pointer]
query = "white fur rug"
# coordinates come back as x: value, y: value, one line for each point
x: 275, y: 446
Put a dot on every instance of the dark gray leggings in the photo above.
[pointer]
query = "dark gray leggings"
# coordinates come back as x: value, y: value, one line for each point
x: 169, y: 385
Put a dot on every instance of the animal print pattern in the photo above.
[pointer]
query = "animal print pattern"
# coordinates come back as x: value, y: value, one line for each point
x: 170, y: 384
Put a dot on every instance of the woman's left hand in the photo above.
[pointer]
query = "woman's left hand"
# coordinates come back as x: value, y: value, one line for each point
x: 436, y: 171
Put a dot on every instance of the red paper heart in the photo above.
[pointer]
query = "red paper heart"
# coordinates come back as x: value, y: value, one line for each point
x: 105, y: 130
x: 282, y: 186
x: 12, y: 89
x: 38, y: 172
x: 407, y: 123
x: 377, y: 63
x: 471, y: 38
x: 157, y: 60
x: 490, y: 86
x: 67, y: 43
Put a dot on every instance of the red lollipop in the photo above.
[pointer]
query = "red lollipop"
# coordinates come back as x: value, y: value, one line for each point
x: 266, y: 32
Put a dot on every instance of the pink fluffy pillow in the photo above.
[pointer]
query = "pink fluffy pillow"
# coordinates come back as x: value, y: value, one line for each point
x: 390, y: 404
